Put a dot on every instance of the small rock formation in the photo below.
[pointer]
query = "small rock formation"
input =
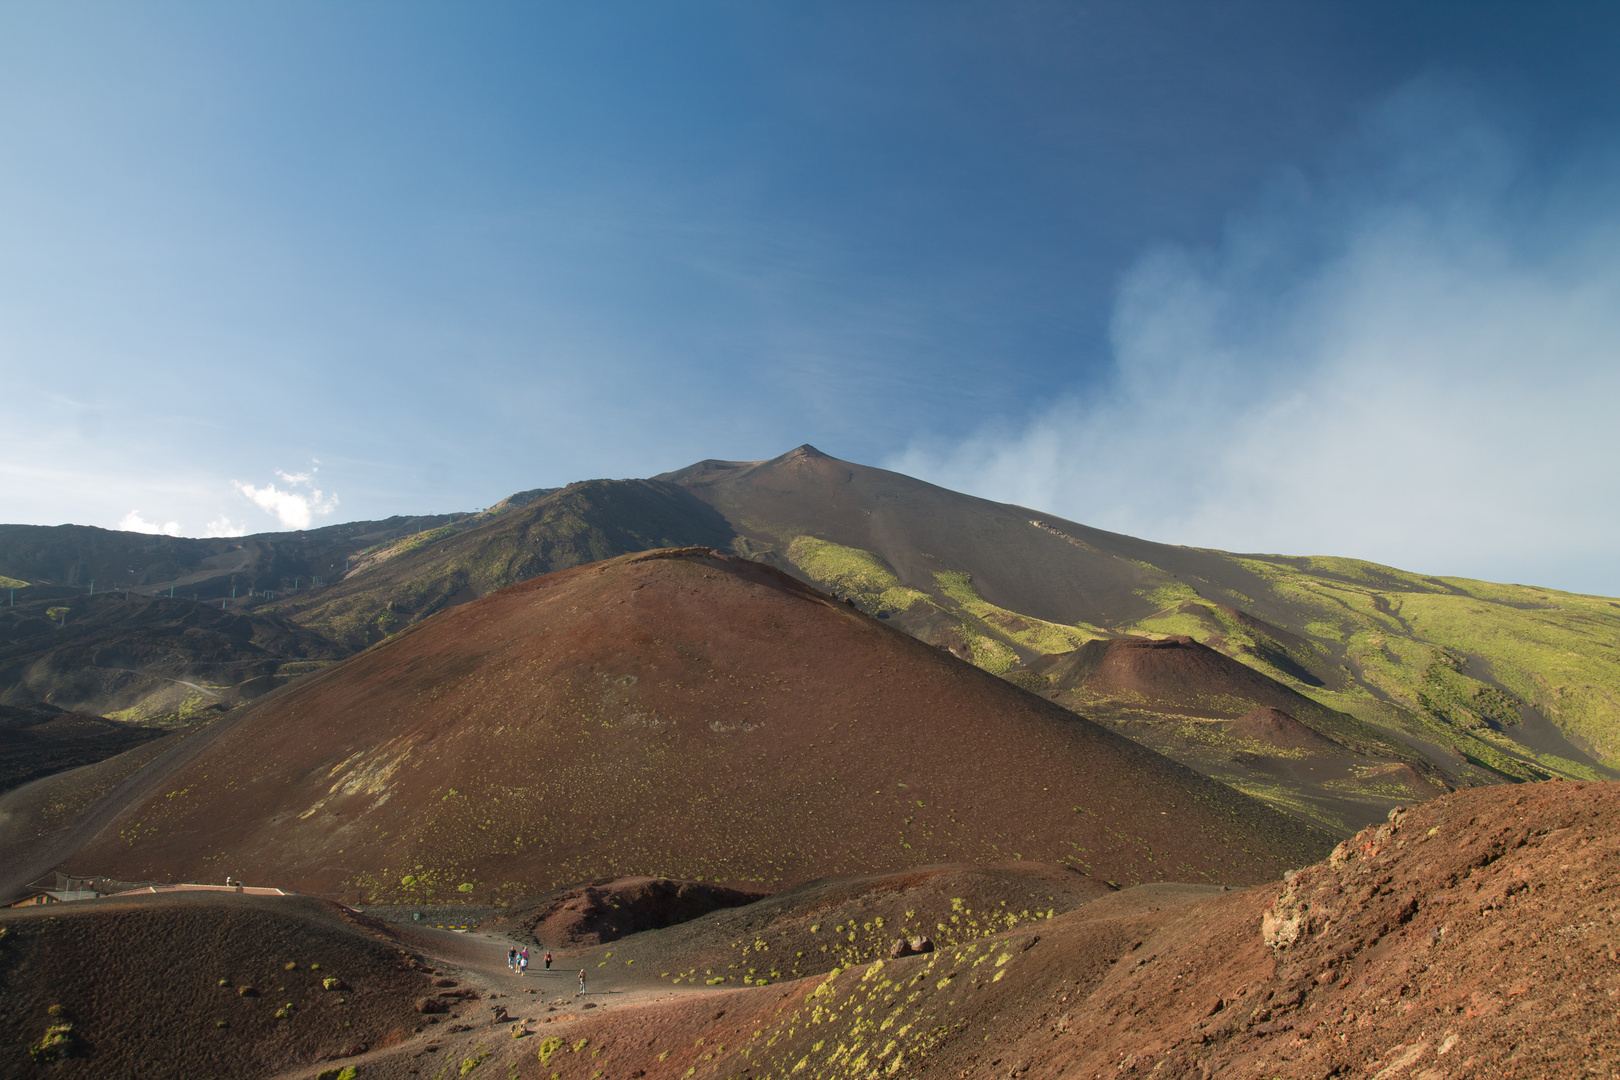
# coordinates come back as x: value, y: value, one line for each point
x: 914, y: 947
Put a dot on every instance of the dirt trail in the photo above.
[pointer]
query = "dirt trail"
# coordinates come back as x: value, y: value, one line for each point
x: 546, y: 1003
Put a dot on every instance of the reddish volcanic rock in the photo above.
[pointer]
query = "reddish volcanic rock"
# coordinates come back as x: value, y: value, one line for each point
x: 1472, y: 936
x: 677, y: 713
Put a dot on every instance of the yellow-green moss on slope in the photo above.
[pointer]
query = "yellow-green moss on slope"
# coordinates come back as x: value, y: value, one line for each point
x: 1434, y: 647
x: 1558, y: 652
x: 851, y: 572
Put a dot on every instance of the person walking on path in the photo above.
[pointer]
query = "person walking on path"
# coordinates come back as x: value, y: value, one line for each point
x: 524, y: 956
x: 511, y: 958
x: 523, y: 963
x: 582, y: 980
x: 548, y: 959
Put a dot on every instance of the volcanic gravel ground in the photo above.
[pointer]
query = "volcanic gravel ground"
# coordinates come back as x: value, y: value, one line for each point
x: 191, y: 984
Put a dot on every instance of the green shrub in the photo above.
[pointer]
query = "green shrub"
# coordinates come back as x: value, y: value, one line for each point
x: 57, y: 1043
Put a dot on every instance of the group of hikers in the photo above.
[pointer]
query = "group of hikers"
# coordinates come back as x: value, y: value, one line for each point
x: 518, y: 961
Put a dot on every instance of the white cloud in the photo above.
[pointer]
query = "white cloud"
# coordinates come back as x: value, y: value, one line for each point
x: 224, y: 526
x: 1417, y: 361
x: 293, y: 508
x: 133, y: 522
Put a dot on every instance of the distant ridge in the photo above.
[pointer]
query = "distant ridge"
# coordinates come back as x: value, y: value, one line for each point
x: 1459, y: 682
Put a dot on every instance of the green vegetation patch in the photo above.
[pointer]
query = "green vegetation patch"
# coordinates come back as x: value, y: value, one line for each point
x: 860, y: 575
x: 991, y: 629
x: 1457, y: 661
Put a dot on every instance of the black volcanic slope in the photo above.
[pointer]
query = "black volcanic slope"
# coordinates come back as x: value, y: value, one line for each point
x: 920, y: 529
x: 420, y: 575
x: 148, y: 657
x: 39, y: 740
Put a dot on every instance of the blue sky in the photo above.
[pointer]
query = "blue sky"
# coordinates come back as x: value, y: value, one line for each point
x: 1301, y: 277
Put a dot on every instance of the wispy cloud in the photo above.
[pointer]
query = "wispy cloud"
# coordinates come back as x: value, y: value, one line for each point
x: 133, y: 522
x: 1416, y: 360
x: 224, y: 526
x: 297, y: 504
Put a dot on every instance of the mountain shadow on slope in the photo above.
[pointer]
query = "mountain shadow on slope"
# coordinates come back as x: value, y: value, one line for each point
x: 38, y: 740
x: 148, y: 658
x: 519, y: 539
x: 74, y: 556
